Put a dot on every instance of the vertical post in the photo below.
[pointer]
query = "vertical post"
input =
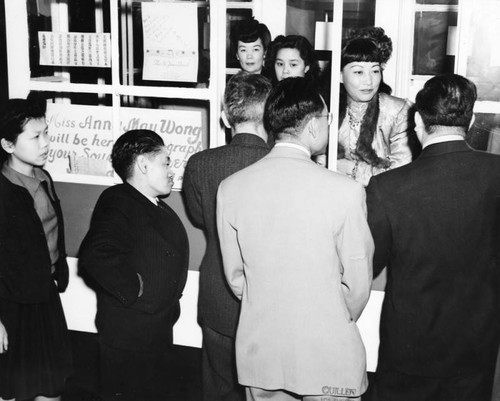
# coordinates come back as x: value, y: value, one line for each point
x: 60, y: 23
x: 465, y: 10
x: 17, y: 41
x: 99, y: 28
x: 336, y: 40
x: 115, y: 71
x: 124, y: 35
x: 217, y: 70
x: 130, y: 42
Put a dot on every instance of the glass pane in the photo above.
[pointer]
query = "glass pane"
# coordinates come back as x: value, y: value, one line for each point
x: 165, y: 44
x: 302, y: 16
x: 430, y: 51
x: 69, y: 42
x: 485, y: 133
x: 483, y: 57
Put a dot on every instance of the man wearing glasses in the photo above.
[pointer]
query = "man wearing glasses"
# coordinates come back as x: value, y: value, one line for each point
x: 297, y: 252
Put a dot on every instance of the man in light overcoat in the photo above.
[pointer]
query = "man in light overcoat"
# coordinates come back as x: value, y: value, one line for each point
x: 297, y: 251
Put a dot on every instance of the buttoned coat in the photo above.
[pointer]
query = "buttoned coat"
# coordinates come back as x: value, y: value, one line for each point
x: 297, y: 251
x: 218, y: 308
x: 129, y: 235
x: 435, y: 223
x: 25, y: 265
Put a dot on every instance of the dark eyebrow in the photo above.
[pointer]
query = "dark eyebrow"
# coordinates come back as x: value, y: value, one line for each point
x: 42, y: 130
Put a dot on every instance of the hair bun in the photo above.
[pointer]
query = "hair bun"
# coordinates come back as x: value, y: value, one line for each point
x: 376, y: 35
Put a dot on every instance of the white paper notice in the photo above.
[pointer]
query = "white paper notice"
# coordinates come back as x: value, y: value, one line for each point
x: 170, y: 41
x: 73, y: 49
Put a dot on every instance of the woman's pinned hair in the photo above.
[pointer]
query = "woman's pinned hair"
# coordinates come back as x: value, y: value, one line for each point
x: 378, y: 37
x: 250, y: 30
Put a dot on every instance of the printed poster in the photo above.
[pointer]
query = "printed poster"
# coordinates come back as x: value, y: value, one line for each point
x: 170, y: 33
x: 82, y: 138
x: 73, y: 49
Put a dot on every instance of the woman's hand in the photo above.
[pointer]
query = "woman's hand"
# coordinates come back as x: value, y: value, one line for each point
x: 4, y: 342
x: 345, y: 166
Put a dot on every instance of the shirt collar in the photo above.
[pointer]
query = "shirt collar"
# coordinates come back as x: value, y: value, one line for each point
x: 30, y: 183
x: 293, y: 145
x: 444, y: 138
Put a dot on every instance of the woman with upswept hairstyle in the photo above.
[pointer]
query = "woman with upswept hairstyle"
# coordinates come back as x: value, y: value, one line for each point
x: 373, y: 133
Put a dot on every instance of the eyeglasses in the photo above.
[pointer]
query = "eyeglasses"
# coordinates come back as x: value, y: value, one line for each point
x: 329, y: 118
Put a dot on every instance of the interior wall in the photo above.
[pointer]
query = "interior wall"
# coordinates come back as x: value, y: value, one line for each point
x: 78, y: 202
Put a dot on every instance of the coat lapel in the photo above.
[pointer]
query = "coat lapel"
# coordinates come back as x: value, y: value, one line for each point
x: 155, y: 215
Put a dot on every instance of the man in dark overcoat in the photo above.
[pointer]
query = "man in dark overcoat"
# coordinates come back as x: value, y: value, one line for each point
x: 218, y: 308
x: 435, y: 223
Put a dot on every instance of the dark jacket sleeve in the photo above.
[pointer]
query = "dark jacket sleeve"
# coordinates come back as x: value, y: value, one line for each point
x: 192, y: 194
x: 379, y: 226
x: 104, y: 253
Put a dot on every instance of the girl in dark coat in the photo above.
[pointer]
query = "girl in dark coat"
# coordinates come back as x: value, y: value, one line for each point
x: 35, y: 354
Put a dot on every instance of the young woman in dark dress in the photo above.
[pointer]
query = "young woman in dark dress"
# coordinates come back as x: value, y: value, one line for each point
x: 35, y: 353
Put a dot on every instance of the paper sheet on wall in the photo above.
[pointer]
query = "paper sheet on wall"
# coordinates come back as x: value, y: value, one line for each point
x: 73, y: 49
x: 170, y: 41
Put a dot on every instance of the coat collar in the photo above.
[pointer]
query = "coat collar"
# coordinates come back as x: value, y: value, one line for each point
x: 285, y: 151
x: 248, y: 140
x: 437, y: 149
x: 137, y: 195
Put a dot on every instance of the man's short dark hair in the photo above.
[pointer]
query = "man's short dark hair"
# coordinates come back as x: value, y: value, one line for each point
x: 290, y: 105
x: 446, y: 100
x: 130, y: 145
x: 244, y: 98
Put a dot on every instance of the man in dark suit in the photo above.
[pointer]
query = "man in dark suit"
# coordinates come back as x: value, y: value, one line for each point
x: 136, y: 251
x: 218, y: 308
x: 435, y: 223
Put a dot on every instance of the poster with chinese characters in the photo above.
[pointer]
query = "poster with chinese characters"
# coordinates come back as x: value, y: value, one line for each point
x: 170, y: 33
x: 72, y: 49
x: 81, y: 139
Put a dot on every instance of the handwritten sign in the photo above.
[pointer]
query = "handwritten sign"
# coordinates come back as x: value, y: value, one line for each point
x: 72, y: 49
x: 170, y: 41
x: 81, y: 138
